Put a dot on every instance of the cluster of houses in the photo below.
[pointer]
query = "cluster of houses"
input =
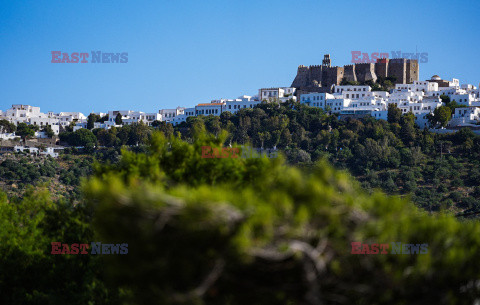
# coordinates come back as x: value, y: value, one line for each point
x: 32, y: 115
x: 420, y: 98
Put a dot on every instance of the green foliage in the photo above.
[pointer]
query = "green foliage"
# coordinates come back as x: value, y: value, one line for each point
x: 394, y: 114
x: 81, y: 137
x: 30, y: 274
x: 26, y: 131
x: 25, y: 171
x: 108, y: 137
x: 92, y: 118
x: 69, y: 128
x: 48, y: 131
x: 79, y: 169
x: 118, y: 119
x: 256, y: 231
x: 445, y: 99
x: 356, y: 145
x: 450, y: 104
x: 441, y: 115
x: 7, y: 127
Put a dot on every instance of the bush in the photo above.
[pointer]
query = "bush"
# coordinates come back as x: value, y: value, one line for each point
x: 260, y: 221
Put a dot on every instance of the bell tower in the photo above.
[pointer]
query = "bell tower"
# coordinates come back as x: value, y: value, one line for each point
x: 326, y: 60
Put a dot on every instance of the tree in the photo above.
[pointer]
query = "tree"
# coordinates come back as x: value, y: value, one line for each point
x: 225, y: 117
x: 106, y: 137
x: 139, y: 134
x: 165, y: 127
x: 453, y: 105
x: 26, y: 131
x: 7, y: 127
x: 407, y: 130
x: 445, y: 99
x: 48, y: 131
x: 262, y: 137
x: 82, y: 137
x: 30, y: 273
x: 103, y: 119
x: 394, y: 114
x: 92, y: 118
x: 118, y: 119
x: 266, y: 233
x: 70, y: 126
x: 212, y: 123
x: 441, y: 115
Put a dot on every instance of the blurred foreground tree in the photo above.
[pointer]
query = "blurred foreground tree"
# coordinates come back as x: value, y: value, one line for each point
x: 29, y: 273
x: 255, y: 231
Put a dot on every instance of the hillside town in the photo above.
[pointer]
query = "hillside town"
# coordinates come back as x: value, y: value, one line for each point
x: 323, y: 89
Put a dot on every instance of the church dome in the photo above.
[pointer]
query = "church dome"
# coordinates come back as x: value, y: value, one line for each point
x: 436, y: 77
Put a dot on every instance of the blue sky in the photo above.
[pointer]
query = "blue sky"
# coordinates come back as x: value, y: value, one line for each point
x: 181, y: 53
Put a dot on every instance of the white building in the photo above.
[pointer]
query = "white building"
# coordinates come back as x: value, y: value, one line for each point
x: 241, y: 102
x: 74, y: 116
x: 177, y: 119
x: 49, y: 151
x: 380, y: 114
x: 424, y: 86
x: 213, y: 108
x: 32, y: 116
x: 316, y: 99
x: 168, y: 115
x: 8, y: 136
x: 130, y: 117
x: 350, y: 91
x: 465, y: 116
x: 463, y: 98
x: 281, y: 93
x: 32, y: 150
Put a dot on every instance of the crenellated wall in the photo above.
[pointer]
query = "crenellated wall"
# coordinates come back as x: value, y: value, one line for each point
x: 324, y: 76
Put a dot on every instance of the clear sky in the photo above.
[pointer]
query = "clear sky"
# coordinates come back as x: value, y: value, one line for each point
x: 181, y: 53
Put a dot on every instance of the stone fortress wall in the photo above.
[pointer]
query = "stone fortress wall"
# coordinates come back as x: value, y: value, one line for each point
x: 321, y: 78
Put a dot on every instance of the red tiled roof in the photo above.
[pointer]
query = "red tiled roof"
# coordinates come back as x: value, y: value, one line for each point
x: 210, y: 104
